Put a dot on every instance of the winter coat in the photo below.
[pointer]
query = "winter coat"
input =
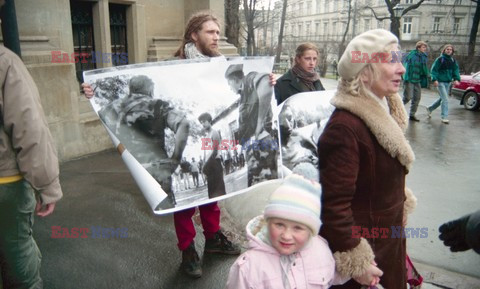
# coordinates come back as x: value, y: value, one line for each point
x: 416, y: 70
x: 289, y: 84
x: 363, y: 159
x: 259, y: 267
x: 26, y: 145
x: 445, y: 69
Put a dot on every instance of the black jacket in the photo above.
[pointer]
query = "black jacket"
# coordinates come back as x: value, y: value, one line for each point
x: 289, y: 84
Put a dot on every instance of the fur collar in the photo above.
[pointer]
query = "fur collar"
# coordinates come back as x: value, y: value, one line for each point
x: 388, y: 129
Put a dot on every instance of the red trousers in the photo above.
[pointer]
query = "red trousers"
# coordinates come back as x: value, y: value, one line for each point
x: 185, y: 230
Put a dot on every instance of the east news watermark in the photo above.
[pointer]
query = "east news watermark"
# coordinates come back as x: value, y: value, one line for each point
x: 382, y: 57
x: 93, y: 232
x: 393, y: 232
x: 93, y: 57
x: 226, y: 144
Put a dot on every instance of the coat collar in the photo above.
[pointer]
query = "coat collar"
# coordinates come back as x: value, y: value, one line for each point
x: 293, y: 81
x: 388, y: 129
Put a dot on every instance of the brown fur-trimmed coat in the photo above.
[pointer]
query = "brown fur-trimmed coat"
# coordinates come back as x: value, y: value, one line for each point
x: 363, y: 160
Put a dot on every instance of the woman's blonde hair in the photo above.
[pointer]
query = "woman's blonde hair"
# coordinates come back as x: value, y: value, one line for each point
x: 356, y: 86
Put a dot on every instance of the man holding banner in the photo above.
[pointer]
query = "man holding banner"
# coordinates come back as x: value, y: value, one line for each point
x: 201, y: 41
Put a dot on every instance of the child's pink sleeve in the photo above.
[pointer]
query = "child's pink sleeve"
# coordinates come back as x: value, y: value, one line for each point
x: 238, y: 276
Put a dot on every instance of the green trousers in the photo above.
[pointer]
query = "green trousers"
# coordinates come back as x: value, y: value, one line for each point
x: 19, y: 255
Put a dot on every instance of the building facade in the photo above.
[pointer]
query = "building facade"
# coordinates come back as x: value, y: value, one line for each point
x: 63, y: 38
x: 324, y: 23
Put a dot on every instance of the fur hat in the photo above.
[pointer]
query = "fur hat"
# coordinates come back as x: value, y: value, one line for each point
x: 369, y: 42
x: 296, y: 199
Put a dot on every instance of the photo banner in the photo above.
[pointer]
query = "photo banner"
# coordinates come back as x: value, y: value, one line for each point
x: 151, y: 111
x: 196, y: 131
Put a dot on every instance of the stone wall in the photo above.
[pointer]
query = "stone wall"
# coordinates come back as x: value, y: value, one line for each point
x: 154, y: 30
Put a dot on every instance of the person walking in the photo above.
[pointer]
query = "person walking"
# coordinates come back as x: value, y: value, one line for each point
x: 213, y: 168
x: 363, y: 161
x: 302, y: 77
x: 194, y: 171
x: 29, y: 173
x: 444, y: 70
x: 416, y: 76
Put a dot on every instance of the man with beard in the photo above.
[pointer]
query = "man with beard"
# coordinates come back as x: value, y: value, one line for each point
x: 200, y: 40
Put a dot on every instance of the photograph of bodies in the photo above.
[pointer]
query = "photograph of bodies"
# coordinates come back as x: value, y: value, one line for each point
x: 202, y: 129
x: 302, y: 118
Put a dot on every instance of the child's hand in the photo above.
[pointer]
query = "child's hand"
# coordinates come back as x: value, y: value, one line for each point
x: 371, y: 277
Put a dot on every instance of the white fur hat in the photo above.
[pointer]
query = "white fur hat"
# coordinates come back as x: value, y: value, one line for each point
x: 370, y: 42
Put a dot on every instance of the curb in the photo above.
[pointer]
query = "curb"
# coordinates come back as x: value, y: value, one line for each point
x: 444, y: 278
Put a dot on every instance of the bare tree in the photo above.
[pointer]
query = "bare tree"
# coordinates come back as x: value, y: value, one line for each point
x: 232, y: 21
x: 280, y: 34
x: 472, y: 39
x: 249, y: 7
x: 395, y: 21
x: 341, y: 47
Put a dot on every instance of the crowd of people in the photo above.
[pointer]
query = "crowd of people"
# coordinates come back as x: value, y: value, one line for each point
x: 303, y: 239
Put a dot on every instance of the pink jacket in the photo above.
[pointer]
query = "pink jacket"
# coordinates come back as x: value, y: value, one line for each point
x: 259, y: 267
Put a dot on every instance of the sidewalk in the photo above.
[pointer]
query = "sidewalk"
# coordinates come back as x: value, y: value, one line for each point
x: 244, y: 207
x: 100, y: 192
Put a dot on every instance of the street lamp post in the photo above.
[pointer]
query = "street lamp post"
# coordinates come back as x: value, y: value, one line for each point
x: 395, y: 20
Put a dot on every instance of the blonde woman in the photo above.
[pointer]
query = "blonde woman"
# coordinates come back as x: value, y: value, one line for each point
x: 363, y: 160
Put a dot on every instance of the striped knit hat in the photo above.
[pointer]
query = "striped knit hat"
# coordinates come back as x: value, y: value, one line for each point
x: 296, y: 199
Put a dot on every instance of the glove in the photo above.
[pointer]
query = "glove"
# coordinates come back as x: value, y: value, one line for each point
x: 453, y: 234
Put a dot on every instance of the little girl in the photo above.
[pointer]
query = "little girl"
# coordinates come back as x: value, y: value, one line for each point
x: 285, y: 250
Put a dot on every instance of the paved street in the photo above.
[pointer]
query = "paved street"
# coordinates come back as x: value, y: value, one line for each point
x: 100, y: 194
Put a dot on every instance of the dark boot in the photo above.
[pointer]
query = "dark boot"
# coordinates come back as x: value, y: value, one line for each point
x: 191, y: 262
x: 220, y: 244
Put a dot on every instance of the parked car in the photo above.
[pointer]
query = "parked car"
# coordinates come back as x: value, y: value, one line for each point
x: 468, y: 91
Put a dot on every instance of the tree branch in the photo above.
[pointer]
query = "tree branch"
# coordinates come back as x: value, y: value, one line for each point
x: 412, y: 7
x: 375, y: 14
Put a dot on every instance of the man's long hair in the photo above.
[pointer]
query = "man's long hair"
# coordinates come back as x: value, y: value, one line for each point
x: 194, y: 24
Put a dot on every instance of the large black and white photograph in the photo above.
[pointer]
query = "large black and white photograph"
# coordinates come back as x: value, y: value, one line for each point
x: 301, y: 119
x: 202, y: 130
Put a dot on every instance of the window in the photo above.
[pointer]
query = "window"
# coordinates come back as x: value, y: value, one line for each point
x: 300, y: 9
x: 436, y: 25
x: 317, y: 28
x: 335, y: 5
x: 325, y: 29
x: 307, y: 29
x: 409, y: 1
x: 317, y: 6
x: 300, y: 31
x: 334, y: 29
x: 407, y: 25
x: 366, y: 23
x: 82, y: 30
x: 309, y: 7
x: 326, y: 6
x: 456, y: 25
x: 118, y: 34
